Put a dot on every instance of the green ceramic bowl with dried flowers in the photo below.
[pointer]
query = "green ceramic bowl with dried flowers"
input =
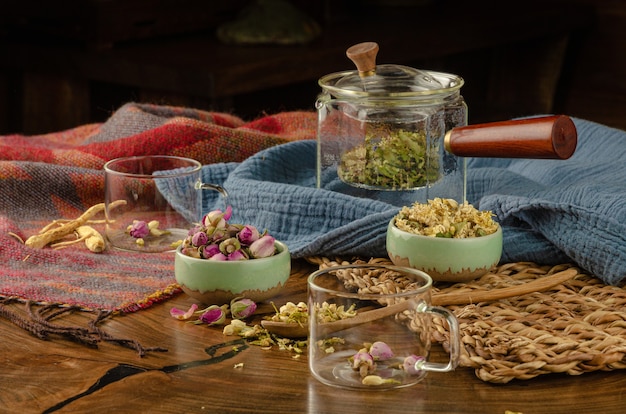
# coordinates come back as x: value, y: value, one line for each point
x: 451, y: 242
x: 219, y: 261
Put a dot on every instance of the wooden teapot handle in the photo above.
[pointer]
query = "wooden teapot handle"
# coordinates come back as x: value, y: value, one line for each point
x: 549, y: 137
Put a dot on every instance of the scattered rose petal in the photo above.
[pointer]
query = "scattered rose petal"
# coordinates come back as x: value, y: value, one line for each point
x: 183, y: 315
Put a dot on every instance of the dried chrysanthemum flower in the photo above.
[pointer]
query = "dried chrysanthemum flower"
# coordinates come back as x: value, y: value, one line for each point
x: 292, y: 313
x: 443, y: 217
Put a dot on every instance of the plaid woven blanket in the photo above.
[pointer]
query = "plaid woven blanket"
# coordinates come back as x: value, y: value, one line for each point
x: 59, y: 175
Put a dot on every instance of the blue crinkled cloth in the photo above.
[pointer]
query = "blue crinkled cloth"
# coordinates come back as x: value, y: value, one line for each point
x: 551, y: 211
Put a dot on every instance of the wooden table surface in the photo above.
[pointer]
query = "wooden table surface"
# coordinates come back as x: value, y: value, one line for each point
x: 199, y: 374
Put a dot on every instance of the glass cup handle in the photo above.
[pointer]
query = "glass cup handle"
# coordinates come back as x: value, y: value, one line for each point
x: 207, y: 186
x: 215, y: 187
x: 455, y: 341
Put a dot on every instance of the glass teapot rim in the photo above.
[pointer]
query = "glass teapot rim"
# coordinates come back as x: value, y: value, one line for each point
x: 328, y: 82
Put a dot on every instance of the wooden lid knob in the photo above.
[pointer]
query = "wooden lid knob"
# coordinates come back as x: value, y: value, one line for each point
x: 364, y: 57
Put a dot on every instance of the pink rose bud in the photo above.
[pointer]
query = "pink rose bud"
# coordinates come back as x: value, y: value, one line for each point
x: 263, y: 247
x: 139, y: 229
x: 215, y: 218
x: 363, y: 362
x: 199, y: 239
x: 194, y: 230
x: 380, y: 351
x: 210, y: 251
x: 242, y: 308
x: 412, y: 364
x: 191, y: 252
x: 248, y: 234
x: 219, y: 257
x: 237, y: 255
x: 214, y: 315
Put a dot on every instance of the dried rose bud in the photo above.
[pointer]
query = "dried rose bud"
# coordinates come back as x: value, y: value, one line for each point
x: 219, y: 257
x: 209, y: 251
x: 237, y: 255
x: 199, y: 239
x: 242, y: 308
x: 248, y: 234
x: 263, y: 247
x: 412, y: 364
x: 363, y: 362
x: 380, y: 351
x: 217, y: 235
x: 213, y: 315
x: 229, y: 246
x: 191, y: 252
x: 194, y: 230
x: 214, y: 218
x: 139, y: 229
x: 217, y: 218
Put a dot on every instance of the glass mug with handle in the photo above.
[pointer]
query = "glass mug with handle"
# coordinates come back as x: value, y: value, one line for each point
x: 152, y: 201
x: 366, y: 335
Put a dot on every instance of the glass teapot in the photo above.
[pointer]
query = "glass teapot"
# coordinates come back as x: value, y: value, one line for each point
x: 381, y: 131
x: 400, y: 135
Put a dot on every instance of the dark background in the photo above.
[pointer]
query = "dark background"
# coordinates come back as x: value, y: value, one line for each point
x: 68, y: 63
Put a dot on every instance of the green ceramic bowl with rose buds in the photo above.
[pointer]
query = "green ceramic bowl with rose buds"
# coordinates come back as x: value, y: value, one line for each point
x: 218, y: 282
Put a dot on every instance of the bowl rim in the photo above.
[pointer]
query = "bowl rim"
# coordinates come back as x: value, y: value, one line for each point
x: 392, y: 223
x: 283, y: 249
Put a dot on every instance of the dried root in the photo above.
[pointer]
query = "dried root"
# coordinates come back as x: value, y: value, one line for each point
x: 92, y: 238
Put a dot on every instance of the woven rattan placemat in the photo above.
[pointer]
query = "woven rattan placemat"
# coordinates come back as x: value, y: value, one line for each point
x: 576, y: 327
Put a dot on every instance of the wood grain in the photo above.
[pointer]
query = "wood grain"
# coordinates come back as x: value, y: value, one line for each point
x: 198, y: 375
